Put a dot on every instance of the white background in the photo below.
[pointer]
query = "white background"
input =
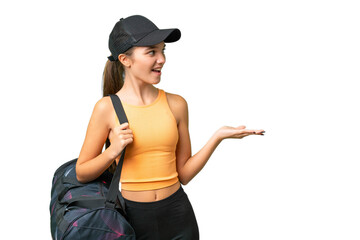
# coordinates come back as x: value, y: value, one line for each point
x: 289, y: 67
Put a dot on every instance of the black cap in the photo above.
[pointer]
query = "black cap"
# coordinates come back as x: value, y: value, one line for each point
x: 138, y: 31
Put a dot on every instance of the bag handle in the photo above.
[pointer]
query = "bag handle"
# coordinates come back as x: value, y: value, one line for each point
x: 113, y: 193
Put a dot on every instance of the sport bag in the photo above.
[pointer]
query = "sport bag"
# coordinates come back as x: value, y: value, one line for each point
x: 91, y: 211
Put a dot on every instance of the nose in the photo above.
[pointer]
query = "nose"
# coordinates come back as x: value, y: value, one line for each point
x: 161, y: 58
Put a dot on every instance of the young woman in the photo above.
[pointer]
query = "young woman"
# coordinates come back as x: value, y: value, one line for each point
x: 158, y: 156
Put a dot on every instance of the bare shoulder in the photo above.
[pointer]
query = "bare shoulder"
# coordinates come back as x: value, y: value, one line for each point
x: 175, y: 98
x: 103, y: 110
x: 103, y: 105
x: 178, y: 106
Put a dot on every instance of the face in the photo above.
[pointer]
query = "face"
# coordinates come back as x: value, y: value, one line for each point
x: 145, y: 63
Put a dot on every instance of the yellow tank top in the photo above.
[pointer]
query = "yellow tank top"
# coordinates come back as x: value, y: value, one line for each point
x: 150, y: 160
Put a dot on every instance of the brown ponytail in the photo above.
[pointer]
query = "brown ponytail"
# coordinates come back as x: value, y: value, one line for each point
x: 113, y: 80
x: 112, y: 77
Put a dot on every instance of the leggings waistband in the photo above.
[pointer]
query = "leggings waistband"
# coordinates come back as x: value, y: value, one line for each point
x: 157, y: 204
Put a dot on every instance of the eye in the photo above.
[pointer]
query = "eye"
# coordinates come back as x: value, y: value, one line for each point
x: 152, y: 52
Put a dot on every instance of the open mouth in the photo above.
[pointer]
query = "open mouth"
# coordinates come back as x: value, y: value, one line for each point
x: 156, y: 71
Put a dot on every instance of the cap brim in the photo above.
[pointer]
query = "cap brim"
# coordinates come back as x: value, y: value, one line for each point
x: 161, y: 35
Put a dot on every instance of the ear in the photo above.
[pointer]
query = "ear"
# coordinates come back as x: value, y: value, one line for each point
x: 124, y: 60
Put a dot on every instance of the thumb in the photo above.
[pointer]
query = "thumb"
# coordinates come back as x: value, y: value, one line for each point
x: 241, y: 127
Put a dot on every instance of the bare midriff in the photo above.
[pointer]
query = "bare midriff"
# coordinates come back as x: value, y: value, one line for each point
x: 150, y: 195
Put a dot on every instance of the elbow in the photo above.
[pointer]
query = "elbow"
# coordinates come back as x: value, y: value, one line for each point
x: 79, y: 177
x: 183, y: 180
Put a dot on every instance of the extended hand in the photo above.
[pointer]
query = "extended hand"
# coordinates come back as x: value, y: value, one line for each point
x: 238, y: 132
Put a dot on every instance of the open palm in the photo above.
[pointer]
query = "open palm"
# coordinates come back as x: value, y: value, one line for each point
x: 237, y: 132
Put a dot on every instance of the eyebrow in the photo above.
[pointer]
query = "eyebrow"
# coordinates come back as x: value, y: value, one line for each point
x: 154, y: 46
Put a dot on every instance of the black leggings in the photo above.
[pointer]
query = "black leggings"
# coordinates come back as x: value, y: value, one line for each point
x: 168, y: 219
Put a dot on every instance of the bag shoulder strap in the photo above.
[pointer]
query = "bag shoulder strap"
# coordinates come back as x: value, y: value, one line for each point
x: 113, y: 193
x: 119, y: 109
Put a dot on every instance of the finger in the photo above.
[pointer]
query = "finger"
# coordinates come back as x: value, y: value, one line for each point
x: 125, y: 136
x: 124, y: 125
x: 257, y: 131
x: 126, y: 131
x: 261, y: 132
x: 248, y: 131
x: 242, y: 133
x: 128, y: 141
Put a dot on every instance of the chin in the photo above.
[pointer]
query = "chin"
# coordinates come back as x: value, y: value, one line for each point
x: 156, y: 81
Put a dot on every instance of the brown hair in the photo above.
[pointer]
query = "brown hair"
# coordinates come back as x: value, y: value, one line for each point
x: 113, y: 80
x: 113, y: 76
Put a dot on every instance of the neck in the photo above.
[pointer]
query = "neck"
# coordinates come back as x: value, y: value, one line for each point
x: 137, y: 92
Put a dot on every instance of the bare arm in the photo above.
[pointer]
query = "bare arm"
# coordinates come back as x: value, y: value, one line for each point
x: 189, y: 166
x: 92, y: 162
x: 195, y: 163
